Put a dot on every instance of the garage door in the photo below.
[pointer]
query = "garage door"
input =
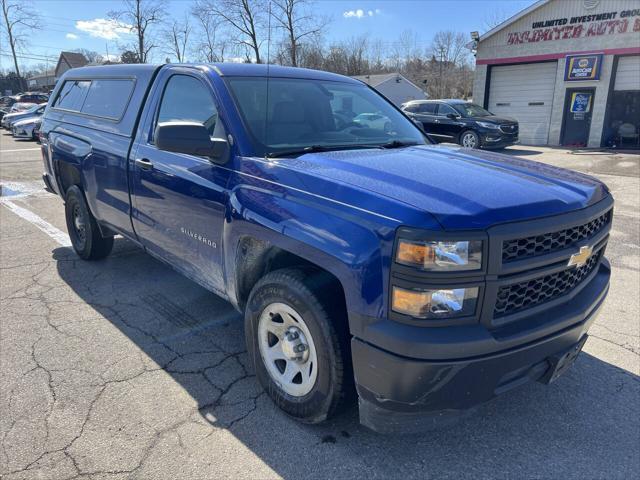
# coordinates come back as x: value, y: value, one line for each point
x: 525, y: 92
x: 628, y: 73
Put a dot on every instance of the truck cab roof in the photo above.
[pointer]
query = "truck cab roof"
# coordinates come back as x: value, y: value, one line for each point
x: 222, y: 69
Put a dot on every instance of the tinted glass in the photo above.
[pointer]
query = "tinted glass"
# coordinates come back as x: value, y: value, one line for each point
x: 471, y: 110
x: 444, y: 109
x: 108, y: 98
x: 187, y: 99
x: 299, y: 113
x: 411, y: 108
x: 428, y: 108
x: 72, y: 95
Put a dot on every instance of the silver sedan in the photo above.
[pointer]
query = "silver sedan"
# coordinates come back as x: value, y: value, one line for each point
x: 27, y: 128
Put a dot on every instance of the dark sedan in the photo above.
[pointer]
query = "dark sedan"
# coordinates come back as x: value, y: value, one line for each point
x: 462, y: 122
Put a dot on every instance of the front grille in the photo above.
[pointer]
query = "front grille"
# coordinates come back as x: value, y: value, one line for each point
x: 520, y: 296
x: 519, y: 248
x: 509, y: 128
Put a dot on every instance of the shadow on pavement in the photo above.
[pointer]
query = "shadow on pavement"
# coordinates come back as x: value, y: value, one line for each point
x: 518, y: 151
x: 585, y: 424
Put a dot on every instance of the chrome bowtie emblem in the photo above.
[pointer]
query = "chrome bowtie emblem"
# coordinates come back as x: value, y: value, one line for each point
x: 580, y: 258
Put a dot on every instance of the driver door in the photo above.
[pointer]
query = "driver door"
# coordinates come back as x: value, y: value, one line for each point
x: 448, y: 128
x: 179, y: 200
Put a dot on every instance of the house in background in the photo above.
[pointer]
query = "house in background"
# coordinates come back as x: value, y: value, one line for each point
x: 394, y: 86
x: 42, y: 83
x: 69, y: 60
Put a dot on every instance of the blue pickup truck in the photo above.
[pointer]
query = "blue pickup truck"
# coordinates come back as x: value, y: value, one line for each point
x: 369, y: 263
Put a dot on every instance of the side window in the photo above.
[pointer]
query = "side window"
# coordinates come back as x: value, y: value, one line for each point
x: 411, y: 108
x: 428, y: 108
x: 187, y: 99
x: 108, y: 98
x: 72, y: 95
x: 444, y: 110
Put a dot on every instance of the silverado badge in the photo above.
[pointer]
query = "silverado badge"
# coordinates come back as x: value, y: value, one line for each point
x: 580, y: 258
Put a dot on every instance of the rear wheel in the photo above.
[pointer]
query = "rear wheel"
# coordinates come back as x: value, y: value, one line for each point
x: 470, y: 139
x: 299, y: 343
x: 85, y: 235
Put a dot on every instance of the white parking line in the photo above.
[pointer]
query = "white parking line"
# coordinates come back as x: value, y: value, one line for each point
x: 55, y: 233
x: 20, y: 150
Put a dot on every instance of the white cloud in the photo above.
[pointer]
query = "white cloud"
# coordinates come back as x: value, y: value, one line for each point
x: 103, y: 28
x: 71, y: 36
x: 360, y: 13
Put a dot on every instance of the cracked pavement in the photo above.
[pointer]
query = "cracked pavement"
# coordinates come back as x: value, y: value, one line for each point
x: 124, y: 369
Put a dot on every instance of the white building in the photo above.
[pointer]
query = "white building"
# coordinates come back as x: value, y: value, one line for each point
x: 394, y: 86
x: 567, y: 70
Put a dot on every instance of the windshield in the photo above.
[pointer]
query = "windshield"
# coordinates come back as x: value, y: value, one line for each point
x: 301, y: 113
x: 471, y: 110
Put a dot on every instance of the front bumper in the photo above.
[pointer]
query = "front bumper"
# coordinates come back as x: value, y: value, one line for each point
x: 400, y: 394
x: 19, y: 132
x: 498, y: 140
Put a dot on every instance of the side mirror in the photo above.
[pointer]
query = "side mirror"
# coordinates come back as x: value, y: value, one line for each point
x: 453, y: 116
x: 419, y: 124
x: 191, y: 138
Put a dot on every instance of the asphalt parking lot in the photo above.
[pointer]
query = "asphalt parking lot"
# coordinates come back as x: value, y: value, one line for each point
x: 124, y: 369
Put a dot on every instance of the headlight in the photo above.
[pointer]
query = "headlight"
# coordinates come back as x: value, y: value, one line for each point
x: 434, y: 304
x: 440, y: 256
x: 493, y: 126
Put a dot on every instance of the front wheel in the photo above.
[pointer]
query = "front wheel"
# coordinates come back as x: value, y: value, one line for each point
x: 298, y: 343
x: 470, y: 139
x: 85, y: 235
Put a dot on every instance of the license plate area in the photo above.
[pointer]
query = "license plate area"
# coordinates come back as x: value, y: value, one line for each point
x: 561, y: 362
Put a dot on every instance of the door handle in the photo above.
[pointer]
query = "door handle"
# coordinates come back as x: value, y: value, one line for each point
x: 436, y: 121
x: 144, y: 163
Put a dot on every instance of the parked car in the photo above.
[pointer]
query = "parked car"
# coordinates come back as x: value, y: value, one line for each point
x: 26, y: 128
x: 373, y: 120
x: 21, y: 107
x: 462, y: 122
x: 22, y: 114
x: 32, y: 97
x: 365, y: 259
x: 8, y: 101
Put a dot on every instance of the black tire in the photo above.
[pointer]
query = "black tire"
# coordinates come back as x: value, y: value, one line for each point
x: 470, y: 133
x: 313, y: 295
x: 83, y: 229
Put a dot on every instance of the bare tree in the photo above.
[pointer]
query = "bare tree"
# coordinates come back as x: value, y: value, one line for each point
x: 377, y: 56
x: 311, y: 53
x: 178, y: 37
x: 142, y: 16
x: 350, y: 57
x: 128, y: 56
x: 19, y: 20
x: 495, y: 17
x: 296, y: 20
x: 245, y: 19
x: 449, y: 47
x: 212, y: 44
x: 91, y: 55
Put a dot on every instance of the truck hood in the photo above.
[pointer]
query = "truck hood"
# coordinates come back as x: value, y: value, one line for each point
x: 462, y: 189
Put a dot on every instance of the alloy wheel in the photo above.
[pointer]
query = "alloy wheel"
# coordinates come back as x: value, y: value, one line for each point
x: 469, y: 140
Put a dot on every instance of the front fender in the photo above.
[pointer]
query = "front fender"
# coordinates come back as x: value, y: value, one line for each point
x: 349, y: 246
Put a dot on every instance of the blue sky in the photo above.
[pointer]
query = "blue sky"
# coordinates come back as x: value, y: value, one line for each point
x: 70, y: 24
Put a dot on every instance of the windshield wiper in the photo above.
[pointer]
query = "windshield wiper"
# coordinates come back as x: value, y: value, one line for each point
x: 397, y: 144
x: 316, y: 149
